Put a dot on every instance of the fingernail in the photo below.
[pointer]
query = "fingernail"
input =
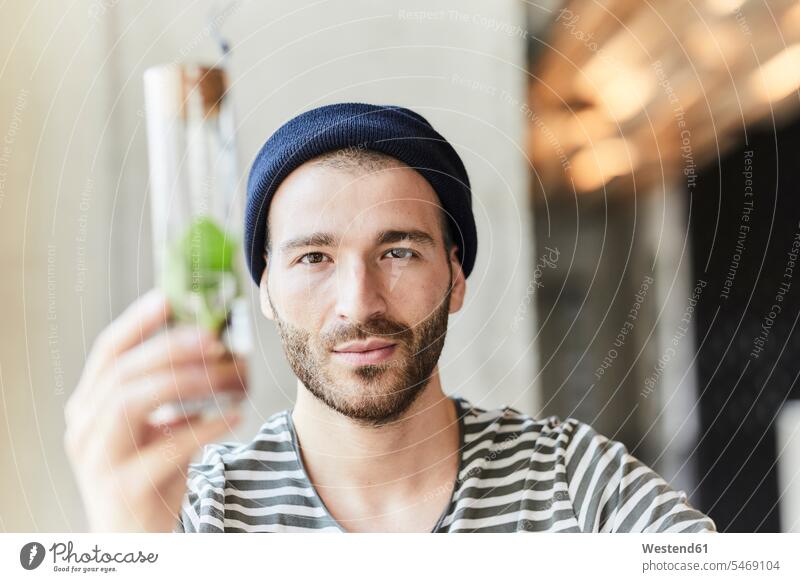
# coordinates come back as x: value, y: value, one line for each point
x: 216, y: 349
x: 148, y: 303
x: 187, y: 336
x: 232, y: 416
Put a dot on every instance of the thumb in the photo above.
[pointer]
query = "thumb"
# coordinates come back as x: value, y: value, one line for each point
x: 164, y: 457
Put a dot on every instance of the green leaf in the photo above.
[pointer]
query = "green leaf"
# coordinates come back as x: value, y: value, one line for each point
x: 199, y: 276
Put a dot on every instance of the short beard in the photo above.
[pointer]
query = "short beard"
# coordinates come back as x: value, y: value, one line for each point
x: 376, y: 398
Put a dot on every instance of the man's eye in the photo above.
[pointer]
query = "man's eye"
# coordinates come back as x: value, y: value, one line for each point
x: 401, y: 253
x: 312, y: 258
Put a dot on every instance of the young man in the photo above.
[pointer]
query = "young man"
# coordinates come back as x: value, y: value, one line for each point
x: 360, y: 235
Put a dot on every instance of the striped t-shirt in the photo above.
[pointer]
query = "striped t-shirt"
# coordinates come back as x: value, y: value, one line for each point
x: 516, y: 474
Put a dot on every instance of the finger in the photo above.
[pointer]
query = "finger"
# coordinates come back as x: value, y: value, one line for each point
x: 161, y: 460
x: 139, y: 321
x: 121, y: 423
x: 153, y: 432
x: 113, y: 408
x: 175, y: 347
x: 217, y: 384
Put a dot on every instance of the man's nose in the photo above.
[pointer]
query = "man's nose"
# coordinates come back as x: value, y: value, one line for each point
x: 359, y: 292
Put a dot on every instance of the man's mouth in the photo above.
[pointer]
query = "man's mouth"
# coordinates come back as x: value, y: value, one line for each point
x: 362, y: 353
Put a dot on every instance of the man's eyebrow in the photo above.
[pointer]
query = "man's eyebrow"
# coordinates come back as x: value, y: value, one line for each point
x: 394, y: 236
x: 317, y: 239
x: 325, y: 239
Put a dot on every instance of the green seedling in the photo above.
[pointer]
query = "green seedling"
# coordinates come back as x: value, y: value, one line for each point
x: 199, y: 276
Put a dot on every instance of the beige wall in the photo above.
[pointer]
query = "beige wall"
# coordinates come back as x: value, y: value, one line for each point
x: 73, y: 208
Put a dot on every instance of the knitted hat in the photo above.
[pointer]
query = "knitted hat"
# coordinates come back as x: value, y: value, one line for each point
x: 391, y: 130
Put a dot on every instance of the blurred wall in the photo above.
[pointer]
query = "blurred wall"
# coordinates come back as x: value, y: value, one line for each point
x: 74, y: 215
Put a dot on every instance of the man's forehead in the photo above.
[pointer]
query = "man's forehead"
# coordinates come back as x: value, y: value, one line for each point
x: 347, y: 203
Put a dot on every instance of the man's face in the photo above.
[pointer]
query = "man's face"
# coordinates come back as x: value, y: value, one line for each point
x: 360, y: 285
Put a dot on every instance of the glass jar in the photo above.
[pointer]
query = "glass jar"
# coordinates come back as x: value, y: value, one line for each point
x: 196, y: 206
x: 195, y: 202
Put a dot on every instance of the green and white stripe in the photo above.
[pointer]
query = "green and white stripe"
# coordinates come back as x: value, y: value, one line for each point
x: 516, y: 474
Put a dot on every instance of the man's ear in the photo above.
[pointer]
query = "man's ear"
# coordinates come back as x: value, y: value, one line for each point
x: 459, y: 282
x: 263, y: 294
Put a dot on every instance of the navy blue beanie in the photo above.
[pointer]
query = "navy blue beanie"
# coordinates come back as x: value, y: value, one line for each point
x: 391, y: 130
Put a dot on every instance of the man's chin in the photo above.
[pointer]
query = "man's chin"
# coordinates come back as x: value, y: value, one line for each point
x: 380, y: 410
x: 373, y: 381
x: 371, y: 396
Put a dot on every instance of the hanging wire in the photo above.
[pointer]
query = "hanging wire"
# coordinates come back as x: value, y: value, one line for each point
x: 217, y: 15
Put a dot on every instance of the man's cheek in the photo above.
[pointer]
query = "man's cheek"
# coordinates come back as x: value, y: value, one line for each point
x: 293, y: 288
x: 303, y: 313
x: 418, y: 319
